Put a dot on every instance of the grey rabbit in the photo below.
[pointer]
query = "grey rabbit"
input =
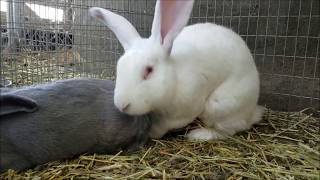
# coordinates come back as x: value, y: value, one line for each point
x: 62, y: 119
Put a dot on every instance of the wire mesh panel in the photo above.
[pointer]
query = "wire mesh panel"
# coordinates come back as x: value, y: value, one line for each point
x: 54, y: 39
x: 44, y: 40
x: 283, y: 36
x: 36, y: 41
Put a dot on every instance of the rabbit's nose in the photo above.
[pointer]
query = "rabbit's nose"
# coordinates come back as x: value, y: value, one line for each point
x: 125, y: 107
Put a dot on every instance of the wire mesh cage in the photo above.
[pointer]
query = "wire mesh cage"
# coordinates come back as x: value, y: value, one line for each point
x: 47, y: 40
x: 44, y: 40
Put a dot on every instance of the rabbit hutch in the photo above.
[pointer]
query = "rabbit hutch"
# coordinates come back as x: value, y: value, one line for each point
x: 46, y: 40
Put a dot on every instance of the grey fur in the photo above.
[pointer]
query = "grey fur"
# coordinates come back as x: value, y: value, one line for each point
x: 11, y: 103
x: 71, y: 117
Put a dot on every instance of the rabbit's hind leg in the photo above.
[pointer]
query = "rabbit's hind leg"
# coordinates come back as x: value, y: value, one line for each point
x: 226, y: 113
x: 222, y: 127
x: 219, y: 129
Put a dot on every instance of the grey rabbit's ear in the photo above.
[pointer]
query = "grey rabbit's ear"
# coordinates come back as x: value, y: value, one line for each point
x: 11, y: 104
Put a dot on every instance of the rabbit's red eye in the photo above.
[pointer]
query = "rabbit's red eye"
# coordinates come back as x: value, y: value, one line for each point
x: 147, y: 71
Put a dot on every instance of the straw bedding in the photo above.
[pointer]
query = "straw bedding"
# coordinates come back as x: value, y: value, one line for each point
x: 283, y: 146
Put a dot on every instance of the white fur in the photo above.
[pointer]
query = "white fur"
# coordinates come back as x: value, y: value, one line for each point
x: 210, y: 74
x: 122, y: 28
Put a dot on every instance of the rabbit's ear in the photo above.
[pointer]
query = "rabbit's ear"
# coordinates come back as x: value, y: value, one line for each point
x: 121, y: 27
x: 11, y: 104
x: 170, y: 17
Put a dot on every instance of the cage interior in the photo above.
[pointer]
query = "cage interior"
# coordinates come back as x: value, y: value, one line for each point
x: 56, y: 39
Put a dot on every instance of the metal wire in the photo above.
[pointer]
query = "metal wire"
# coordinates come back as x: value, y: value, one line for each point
x: 62, y: 41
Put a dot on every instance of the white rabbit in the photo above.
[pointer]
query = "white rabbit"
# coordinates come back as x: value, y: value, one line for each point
x: 181, y: 73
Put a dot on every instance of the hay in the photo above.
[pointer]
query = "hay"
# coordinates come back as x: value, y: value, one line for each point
x: 283, y: 146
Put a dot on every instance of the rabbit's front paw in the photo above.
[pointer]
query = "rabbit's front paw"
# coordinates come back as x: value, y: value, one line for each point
x: 203, y: 134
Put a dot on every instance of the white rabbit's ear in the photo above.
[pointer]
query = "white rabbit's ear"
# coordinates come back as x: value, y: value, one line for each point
x: 170, y: 17
x: 121, y: 27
